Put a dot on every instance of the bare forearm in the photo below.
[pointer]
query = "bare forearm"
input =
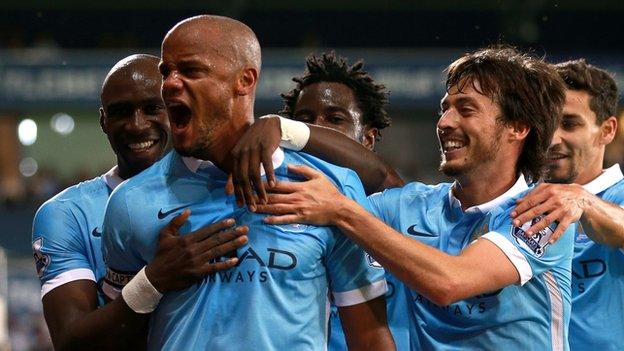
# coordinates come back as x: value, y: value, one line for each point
x: 112, y: 326
x: 336, y: 148
x: 604, y: 222
x: 433, y: 273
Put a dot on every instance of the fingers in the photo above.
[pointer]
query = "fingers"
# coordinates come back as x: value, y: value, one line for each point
x: 221, y: 244
x: 254, y: 171
x: 267, y: 163
x: 281, y: 199
x: 209, y: 230
x: 276, y: 209
x: 285, y: 219
x: 561, y: 228
x: 229, y: 186
x: 532, y: 199
x: 305, y: 171
x: 174, y: 225
x: 211, y: 267
x: 544, y: 222
x: 285, y: 187
x: 533, y: 212
x: 241, y: 174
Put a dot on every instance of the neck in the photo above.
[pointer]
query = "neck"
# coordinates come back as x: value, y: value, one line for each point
x: 593, y: 171
x: 483, y: 185
x: 124, y: 171
x: 220, y: 147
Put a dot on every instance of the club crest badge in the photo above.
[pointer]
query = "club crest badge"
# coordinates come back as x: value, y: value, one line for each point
x: 535, y: 243
x: 372, y: 262
x: 42, y: 261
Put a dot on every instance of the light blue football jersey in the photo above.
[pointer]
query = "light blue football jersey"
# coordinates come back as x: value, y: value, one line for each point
x: 531, y: 316
x: 397, y: 313
x: 276, y: 298
x: 597, y: 321
x: 67, y: 230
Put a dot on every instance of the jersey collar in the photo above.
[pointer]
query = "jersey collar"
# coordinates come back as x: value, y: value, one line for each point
x: 195, y: 164
x: 112, y: 178
x: 605, y: 180
x: 520, y: 186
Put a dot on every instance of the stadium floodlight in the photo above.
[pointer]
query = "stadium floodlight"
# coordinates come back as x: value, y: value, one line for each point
x: 27, y: 132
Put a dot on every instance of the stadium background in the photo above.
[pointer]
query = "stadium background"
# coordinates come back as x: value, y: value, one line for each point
x: 53, y: 58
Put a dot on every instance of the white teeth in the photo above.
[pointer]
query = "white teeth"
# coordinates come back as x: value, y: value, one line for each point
x: 453, y: 144
x: 141, y: 145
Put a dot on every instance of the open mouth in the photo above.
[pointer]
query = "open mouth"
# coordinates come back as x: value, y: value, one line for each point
x: 141, y: 146
x: 452, y: 145
x: 179, y: 115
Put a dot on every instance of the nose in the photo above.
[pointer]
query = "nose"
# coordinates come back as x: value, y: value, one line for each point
x: 448, y: 121
x: 556, y: 137
x: 139, y: 121
x: 171, y: 82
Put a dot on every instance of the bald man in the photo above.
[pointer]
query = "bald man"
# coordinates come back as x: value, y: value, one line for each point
x: 67, y: 228
x: 276, y: 296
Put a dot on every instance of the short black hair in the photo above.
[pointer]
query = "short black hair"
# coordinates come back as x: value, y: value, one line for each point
x: 598, y: 83
x: 371, y: 98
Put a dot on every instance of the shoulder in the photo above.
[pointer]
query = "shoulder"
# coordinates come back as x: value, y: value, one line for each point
x: 417, y: 191
x: 74, y: 197
x: 338, y: 175
x: 144, y: 182
x: 615, y: 193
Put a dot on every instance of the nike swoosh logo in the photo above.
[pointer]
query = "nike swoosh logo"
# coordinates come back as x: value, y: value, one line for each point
x: 96, y: 233
x: 162, y: 214
x: 412, y: 231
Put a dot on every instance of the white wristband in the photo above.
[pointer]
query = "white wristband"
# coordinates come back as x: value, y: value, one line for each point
x: 295, y: 134
x: 140, y: 295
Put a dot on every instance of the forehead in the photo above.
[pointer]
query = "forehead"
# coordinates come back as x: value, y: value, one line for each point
x: 577, y: 99
x: 132, y: 85
x: 470, y: 92
x: 327, y: 94
x: 577, y: 104
x: 195, y: 45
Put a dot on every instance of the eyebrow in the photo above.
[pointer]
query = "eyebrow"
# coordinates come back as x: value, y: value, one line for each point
x: 459, y: 101
x: 572, y: 116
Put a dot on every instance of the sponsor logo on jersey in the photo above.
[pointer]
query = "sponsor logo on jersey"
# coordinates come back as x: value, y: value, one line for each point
x: 535, y: 243
x: 162, y: 214
x: 411, y: 230
x: 372, y: 262
x: 42, y: 261
x: 250, y: 259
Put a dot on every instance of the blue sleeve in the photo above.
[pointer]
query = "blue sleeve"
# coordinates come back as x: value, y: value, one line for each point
x: 536, y: 251
x: 386, y: 205
x: 355, y: 276
x: 122, y: 261
x: 58, y: 244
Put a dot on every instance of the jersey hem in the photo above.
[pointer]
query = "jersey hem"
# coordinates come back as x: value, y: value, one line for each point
x: 66, y: 277
x: 513, y: 254
x: 360, y: 295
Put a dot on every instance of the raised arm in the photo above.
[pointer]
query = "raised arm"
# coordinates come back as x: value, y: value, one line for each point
x: 268, y: 132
